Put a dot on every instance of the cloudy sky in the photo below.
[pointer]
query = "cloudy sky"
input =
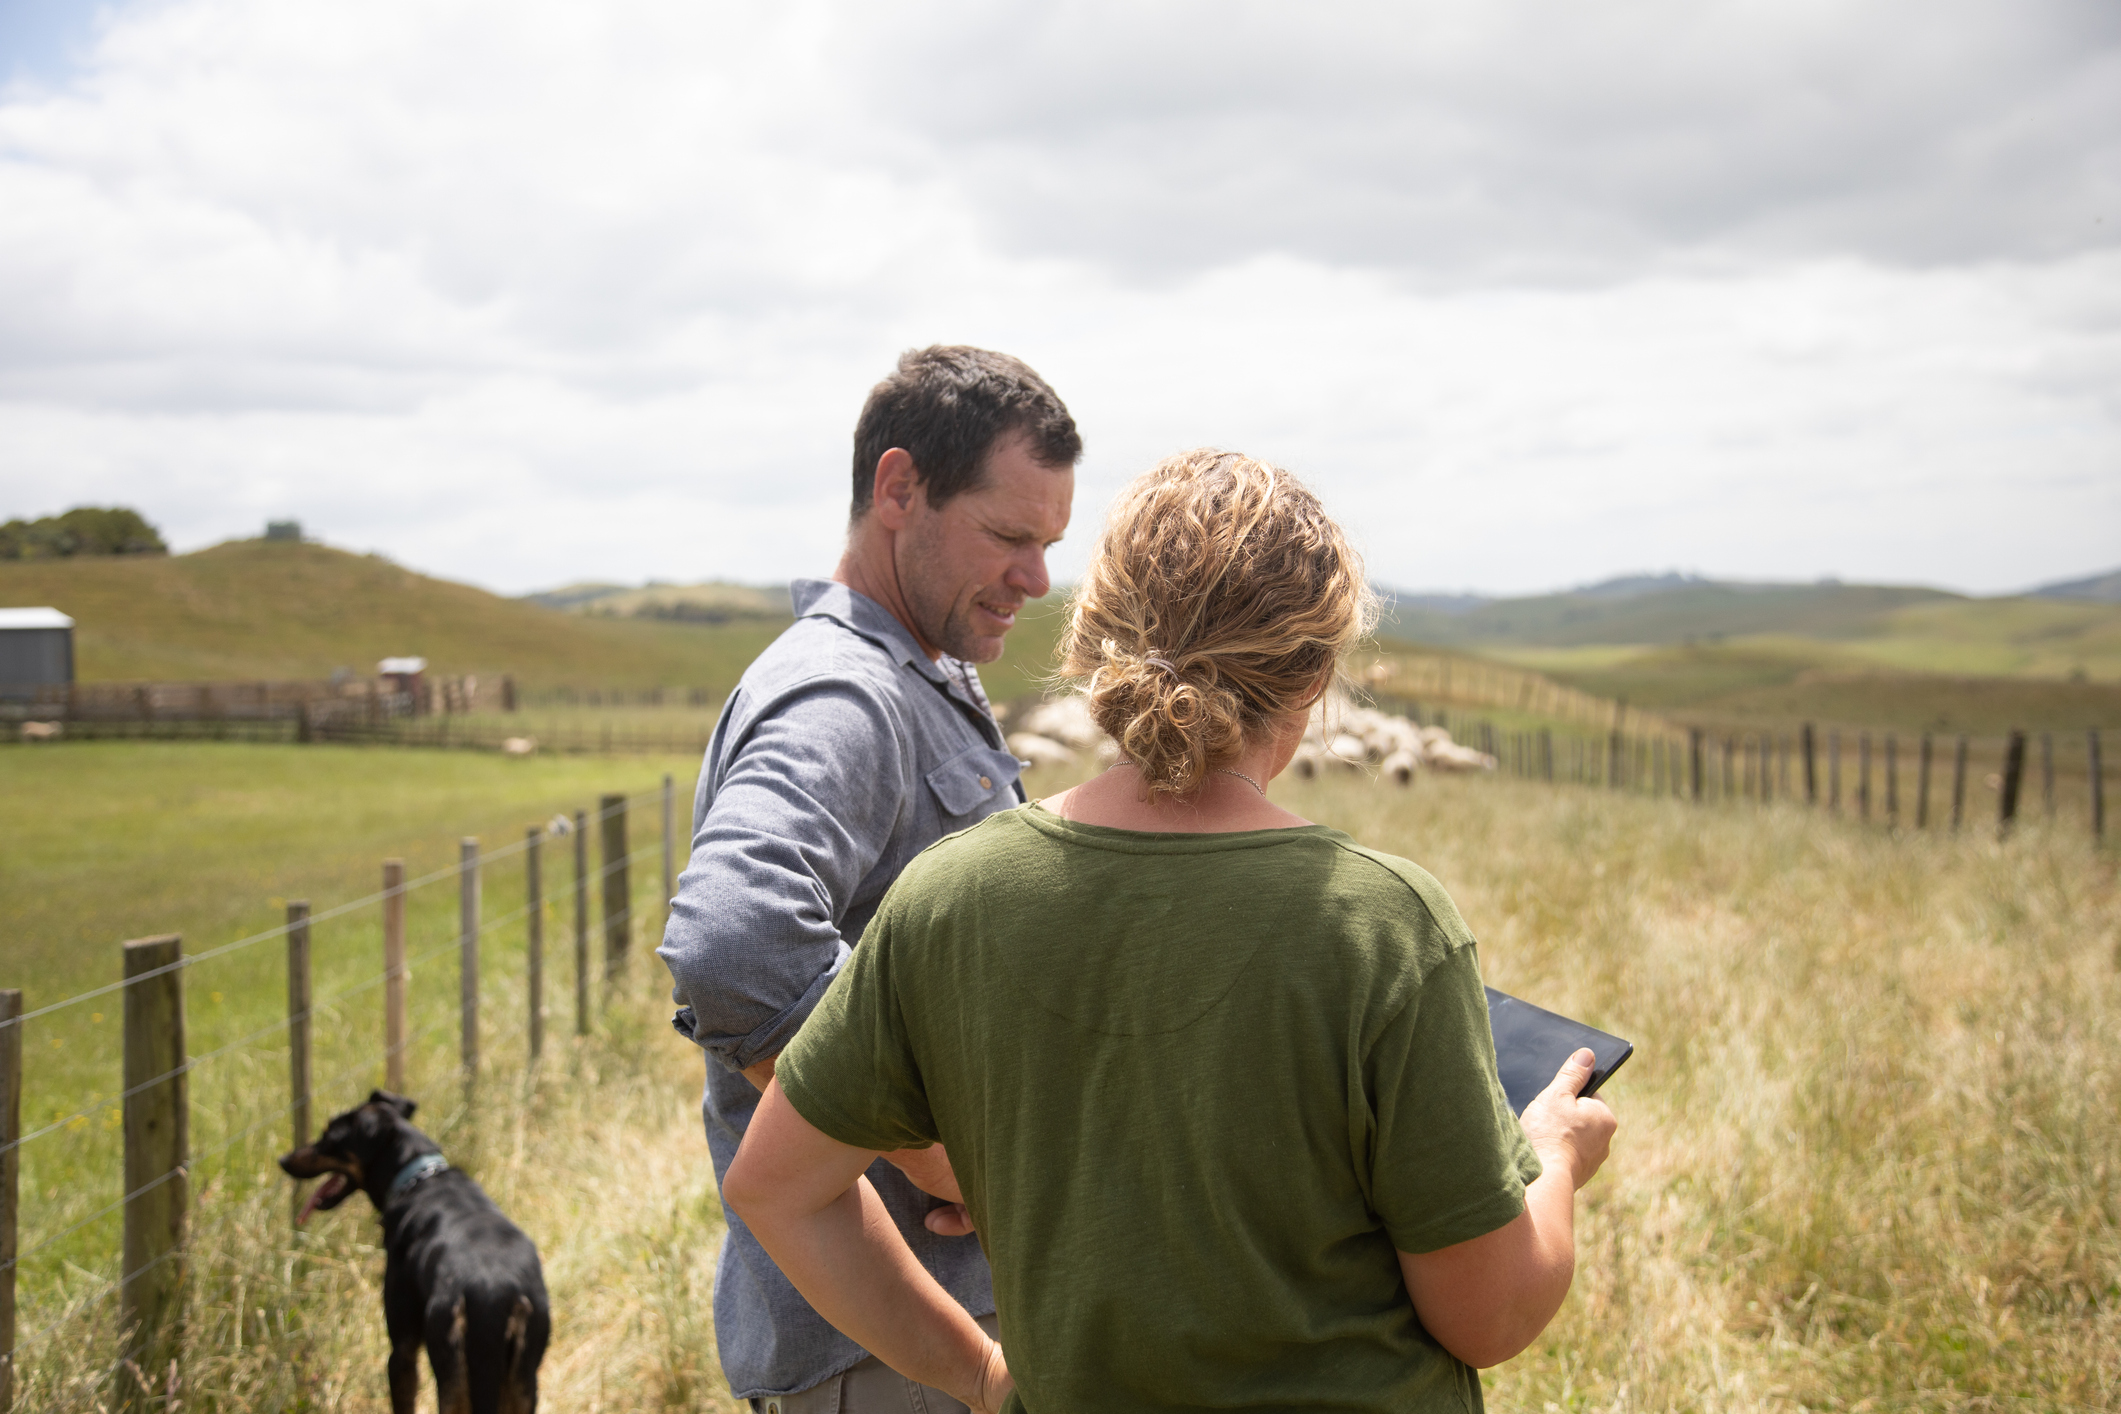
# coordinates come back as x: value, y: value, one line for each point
x: 1532, y: 292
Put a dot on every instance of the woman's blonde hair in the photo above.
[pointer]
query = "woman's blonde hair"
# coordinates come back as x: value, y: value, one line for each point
x: 1220, y: 595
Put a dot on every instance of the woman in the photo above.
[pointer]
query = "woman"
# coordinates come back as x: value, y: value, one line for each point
x: 1216, y: 1083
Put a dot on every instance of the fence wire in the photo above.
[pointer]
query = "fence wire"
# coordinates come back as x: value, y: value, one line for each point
x: 281, y: 930
x: 78, y: 1307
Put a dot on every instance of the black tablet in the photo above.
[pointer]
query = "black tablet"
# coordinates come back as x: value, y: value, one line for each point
x: 1532, y: 1042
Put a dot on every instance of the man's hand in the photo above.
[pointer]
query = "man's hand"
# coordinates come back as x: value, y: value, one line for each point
x: 1572, y: 1133
x: 805, y: 1198
x: 929, y: 1170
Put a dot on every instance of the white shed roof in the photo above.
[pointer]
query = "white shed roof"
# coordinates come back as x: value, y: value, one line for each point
x: 34, y: 618
x: 391, y: 666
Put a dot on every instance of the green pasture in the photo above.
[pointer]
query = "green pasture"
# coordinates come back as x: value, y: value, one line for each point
x: 109, y: 841
x: 1779, y: 680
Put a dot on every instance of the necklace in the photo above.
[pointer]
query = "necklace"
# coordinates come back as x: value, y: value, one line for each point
x: 1225, y: 770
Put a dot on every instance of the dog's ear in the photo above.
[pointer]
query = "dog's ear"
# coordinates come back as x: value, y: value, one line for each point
x: 402, y: 1105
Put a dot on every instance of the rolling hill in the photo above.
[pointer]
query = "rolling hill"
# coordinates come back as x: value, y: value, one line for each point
x: 1759, y: 653
x: 251, y: 609
x: 1661, y: 609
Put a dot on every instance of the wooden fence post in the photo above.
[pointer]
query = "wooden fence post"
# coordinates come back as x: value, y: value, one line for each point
x: 10, y: 1180
x: 2098, y: 785
x: 1546, y: 753
x: 298, y: 1007
x: 1811, y: 767
x: 1959, y: 782
x: 468, y: 952
x: 534, y: 944
x: 1693, y: 744
x: 1892, y: 780
x: 2013, y: 777
x: 1730, y: 751
x: 1833, y: 771
x: 581, y: 924
x: 2047, y: 774
x: 394, y: 976
x: 618, y: 901
x: 1922, y: 787
x: 157, y: 1118
x: 669, y: 852
x: 1863, y: 775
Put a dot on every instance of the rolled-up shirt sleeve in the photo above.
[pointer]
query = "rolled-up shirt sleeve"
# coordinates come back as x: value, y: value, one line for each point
x: 800, y: 810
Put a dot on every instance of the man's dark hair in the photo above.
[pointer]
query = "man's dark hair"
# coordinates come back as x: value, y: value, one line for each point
x: 947, y: 406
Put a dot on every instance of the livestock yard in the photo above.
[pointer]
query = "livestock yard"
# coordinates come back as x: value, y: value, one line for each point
x: 1867, y: 1155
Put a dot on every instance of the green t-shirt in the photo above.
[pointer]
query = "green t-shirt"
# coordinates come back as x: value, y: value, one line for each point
x: 1196, y: 1089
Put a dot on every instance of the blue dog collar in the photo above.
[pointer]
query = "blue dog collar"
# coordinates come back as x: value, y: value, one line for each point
x: 409, y: 1177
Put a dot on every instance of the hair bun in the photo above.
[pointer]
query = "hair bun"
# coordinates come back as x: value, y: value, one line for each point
x: 1220, y: 595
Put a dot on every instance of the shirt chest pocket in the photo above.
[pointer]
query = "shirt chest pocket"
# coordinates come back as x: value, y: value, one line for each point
x: 974, y: 779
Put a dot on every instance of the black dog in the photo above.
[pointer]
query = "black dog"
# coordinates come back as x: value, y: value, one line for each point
x: 458, y: 1276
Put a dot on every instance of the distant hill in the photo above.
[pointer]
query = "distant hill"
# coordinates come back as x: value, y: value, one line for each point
x: 1705, y: 650
x: 715, y: 602
x: 2099, y: 589
x: 286, y: 609
x: 1643, y: 609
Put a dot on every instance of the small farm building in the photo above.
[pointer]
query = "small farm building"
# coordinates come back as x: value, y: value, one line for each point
x: 36, y: 650
x: 401, y: 674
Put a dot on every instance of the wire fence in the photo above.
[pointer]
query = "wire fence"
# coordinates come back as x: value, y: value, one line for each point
x: 1920, y: 781
x: 451, y: 732
x: 154, y: 1098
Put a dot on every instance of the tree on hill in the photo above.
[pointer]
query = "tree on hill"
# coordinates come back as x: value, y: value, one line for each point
x: 84, y: 530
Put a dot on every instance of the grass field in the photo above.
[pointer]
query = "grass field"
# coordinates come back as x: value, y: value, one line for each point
x: 1781, y: 679
x: 1867, y: 1155
x: 118, y: 840
x: 1860, y: 625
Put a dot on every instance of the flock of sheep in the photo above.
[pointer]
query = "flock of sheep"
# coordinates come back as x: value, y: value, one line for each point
x: 1340, y: 735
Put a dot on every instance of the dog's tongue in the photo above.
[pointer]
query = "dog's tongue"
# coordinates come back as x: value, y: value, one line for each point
x: 332, y: 1186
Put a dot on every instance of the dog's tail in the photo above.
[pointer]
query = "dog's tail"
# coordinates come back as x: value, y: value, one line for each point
x: 505, y: 1342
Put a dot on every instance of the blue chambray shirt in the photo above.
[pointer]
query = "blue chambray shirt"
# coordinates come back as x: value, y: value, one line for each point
x: 842, y: 754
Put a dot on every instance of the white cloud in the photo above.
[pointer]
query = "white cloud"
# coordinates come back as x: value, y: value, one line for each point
x: 527, y: 292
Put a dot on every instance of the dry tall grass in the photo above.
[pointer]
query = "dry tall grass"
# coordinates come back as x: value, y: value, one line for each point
x: 1869, y: 1157
x: 1870, y: 1144
x: 598, y: 1155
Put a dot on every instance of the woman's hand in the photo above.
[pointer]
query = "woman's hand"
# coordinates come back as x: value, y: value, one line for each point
x: 804, y: 1197
x: 1488, y: 1298
x: 1566, y: 1130
x: 994, y: 1381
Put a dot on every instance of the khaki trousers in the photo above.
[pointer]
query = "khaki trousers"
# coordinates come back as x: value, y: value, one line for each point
x: 871, y: 1387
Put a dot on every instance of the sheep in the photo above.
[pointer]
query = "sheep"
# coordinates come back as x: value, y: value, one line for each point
x: 1355, y: 737
x: 1401, y: 766
x: 519, y: 746
x: 1039, y: 750
x: 1065, y: 720
x: 43, y: 731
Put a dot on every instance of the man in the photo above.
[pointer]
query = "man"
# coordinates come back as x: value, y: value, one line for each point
x: 859, y: 738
